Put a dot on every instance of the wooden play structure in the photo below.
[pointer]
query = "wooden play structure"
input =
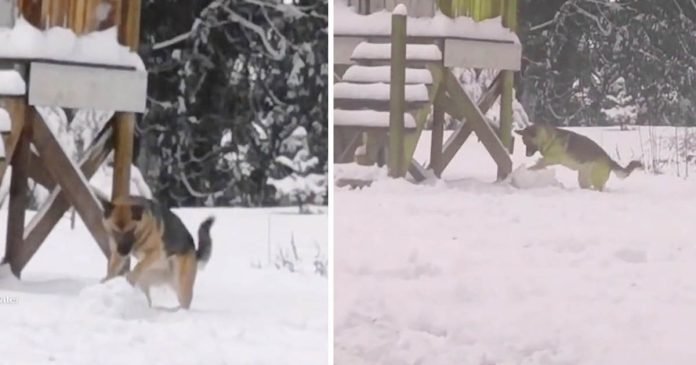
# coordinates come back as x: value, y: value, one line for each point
x: 31, y: 148
x: 393, y: 71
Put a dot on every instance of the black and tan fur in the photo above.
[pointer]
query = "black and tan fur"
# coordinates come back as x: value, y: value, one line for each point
x: 158, y: 239
x: 559, y: 146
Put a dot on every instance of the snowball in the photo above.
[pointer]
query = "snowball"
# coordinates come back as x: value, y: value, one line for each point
x: 524, y: 178
x: 115, y: 298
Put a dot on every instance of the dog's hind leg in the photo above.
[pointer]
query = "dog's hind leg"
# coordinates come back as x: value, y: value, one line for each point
x: 185, y: 267
x: 585, y: 177
x: 600, y: 175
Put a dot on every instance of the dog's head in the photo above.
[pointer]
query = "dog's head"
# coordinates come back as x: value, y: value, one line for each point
x: 122, y: 220
x: 530, y: 139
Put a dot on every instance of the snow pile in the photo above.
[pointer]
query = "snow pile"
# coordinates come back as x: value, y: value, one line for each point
x: 374, y: 74
x: 12, y: 83
x: 26, y: 41
x: 368, y: 118
x: 348, y: 22
x: 400, y: 10
x: 382, y: 51
x: 359, y: 172
x: 378, y: 91
x: 114, y: 298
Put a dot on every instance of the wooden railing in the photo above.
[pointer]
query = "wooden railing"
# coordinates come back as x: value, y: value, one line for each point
x: 84, y: 16
x: 481, y: 9
x: 476, y: 9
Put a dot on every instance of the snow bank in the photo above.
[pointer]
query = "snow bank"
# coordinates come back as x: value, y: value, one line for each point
x: 11, y: 83
x: 368, y: 118
x: 244, y: 311
x: 375, y: 74
x: 378, y: 91
x: 382, y: 51
x: 359, y: 172
x: 26, y: 41
x: 348, y: 22
x: 474, y: 272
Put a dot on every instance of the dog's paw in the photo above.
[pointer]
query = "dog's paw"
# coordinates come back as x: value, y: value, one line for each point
x: 130, y: 277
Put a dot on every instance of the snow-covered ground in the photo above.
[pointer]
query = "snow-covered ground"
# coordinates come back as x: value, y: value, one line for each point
x: 466, y: 271
x: 244, y: 311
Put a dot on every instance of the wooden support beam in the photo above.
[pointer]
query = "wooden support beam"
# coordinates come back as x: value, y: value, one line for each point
x: 17, y: 108
x: 417, y: 171
x: 397, y: 96
x: 55, y: 13
x: 461, y: 134
x: 123, y: 157
x: 19, y: 198
x: 438, y: 131
x: 73, y: 182
x: 31, y: 11
x: 129, y: 25
x: 507, y: 97
x: 76, y: 17
x: 476, y: 119
x: 38, y: 172
x: 57, y: 203
x: 129, y: 35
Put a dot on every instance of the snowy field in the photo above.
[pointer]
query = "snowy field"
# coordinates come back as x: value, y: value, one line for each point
x: 466, y: 271
x: 244, y: 310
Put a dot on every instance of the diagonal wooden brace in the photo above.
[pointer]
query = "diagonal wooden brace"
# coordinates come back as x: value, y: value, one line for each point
x: 457, y: 139
x: 62, y: 171
x: 18, y: 199
x: 478, y: 123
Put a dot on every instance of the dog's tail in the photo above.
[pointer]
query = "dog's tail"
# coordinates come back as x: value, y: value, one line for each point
x: 623, y: 172
x: 205, y: 243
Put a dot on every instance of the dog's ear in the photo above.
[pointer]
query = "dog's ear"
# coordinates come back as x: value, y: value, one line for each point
x: 108, y: 208
x: 137, y: 212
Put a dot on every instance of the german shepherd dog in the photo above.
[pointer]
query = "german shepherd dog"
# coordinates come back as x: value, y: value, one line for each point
x: 158, y: 239
x: 574, y: 151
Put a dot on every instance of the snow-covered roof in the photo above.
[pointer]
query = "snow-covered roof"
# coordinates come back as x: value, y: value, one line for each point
x: 62, y: 44
x: 382, y: 51
x: 347, y: 21
x: 374, y: 74
x: 368, y: 118
x: 378, y: 91
x: 12, y: 83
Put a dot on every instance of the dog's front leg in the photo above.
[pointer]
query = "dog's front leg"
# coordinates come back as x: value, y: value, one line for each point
x: 141, y: 266
x: 540, y: 164
x: 115, y: 265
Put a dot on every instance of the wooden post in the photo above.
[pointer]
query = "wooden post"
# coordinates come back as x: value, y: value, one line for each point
x: 397, y: 90
x: 76, y: 16
x: 31, y: 11
x: 129, y: 34
x: 19, y: 197
x: 55, y: 13
x: 507, y: 96
x: 438, y: 131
